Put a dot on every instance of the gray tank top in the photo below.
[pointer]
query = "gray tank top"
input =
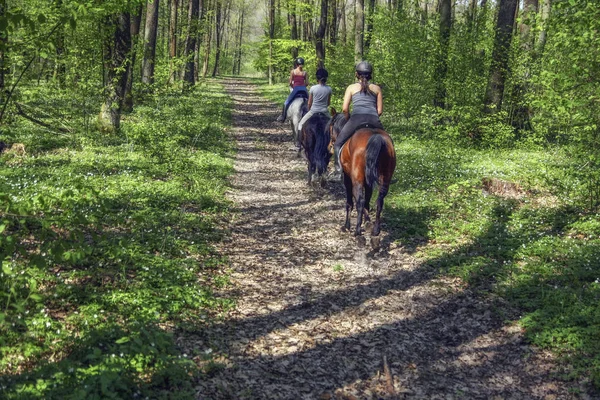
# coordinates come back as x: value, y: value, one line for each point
x: 364, y: 103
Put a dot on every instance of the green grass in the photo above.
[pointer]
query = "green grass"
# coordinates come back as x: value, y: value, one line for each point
x: 540, y: 252
x: 107, y: 246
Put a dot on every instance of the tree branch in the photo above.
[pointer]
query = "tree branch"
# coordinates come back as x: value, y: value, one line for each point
x: 37, y: 121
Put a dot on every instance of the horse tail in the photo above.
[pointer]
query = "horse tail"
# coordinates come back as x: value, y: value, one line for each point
x: 322, y: 136
x: 374, y: 146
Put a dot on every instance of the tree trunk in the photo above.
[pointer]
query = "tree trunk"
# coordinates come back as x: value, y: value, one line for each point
x: 172, y: 40
x: 207, y: 41
x: 135, y: 31
x: 500, y: 55
x: 320, y: 35
x: 544, y: 14
x: 116, y: 48
x: 359, y: 26
x: 187, y: 74
x: 294, y: 28
x: 271, y: 37
x: 60, y: 71
x: 151, y: 29
x: 343, y: 25
x: 239, y: 48
x: 369, y: 31
x: 3, y: 49
x: 442, y: 64
x: 218, y: 37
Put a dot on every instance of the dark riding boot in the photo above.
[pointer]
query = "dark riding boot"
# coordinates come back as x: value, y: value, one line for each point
x: 282, y: 116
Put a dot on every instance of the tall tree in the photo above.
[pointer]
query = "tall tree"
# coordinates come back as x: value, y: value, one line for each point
x: 207, y: 27
x: 369, y: 30
x: 172, y: 40
x: 441, y: 70
x: 218, y: 35
x: 500, y: 55
x: 293, y: 27
x: 60, y: 71
x: 271, y: 37
x: 151, y: 30
x: 544, y: 14
x: 187, y: 74
x: 320, y: 35
x: 136, y: 20
x: 359, y: 27
x: 333, y: 22
x: 3, y: 48
x: 116, y: 48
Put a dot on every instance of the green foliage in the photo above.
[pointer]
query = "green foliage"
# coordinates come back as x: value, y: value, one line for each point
x: 106, y: 244
x: 524, y: 244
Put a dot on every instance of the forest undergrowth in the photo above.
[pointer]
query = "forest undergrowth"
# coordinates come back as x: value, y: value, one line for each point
x: 510, y: 221
x: 106, y: 243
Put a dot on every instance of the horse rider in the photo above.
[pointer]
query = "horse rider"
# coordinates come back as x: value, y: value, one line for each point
x: 298, y: 83
x: 367, y: 105
x: 319, y: 97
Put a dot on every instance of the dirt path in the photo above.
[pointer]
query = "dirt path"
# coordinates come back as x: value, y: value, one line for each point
x: 317, y: 315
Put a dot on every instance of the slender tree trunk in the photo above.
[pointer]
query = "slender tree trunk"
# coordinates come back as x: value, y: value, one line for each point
x: 544, y: 15
x: 3, y: 49
x: 207, y: 41
x: 294, y: 28
x: 500, y: 55
x: 343, y: 25
x: 190, y: 42
x: 151, y: 30
x: 172, y: 40
x: 61, y: 69
x: 218, y: 36
x: 240, y: 39
x: 369, y: 31
x: 359, y: 26
x: 442, y: 64
x: 320, y: 35
x: 116, y: 48
x: 333, y: 28
x: 271, y: 37
x: 135, y: 32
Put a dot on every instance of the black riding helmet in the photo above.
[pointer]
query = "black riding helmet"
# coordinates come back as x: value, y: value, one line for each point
x: 299, y: 61
x: 322, y: 74
x: 364, y: 67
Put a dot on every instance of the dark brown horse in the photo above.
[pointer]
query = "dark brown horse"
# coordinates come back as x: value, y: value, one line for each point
x: 368, y: 157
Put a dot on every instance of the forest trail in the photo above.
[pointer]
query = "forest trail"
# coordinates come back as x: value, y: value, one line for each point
x: 317, y: 314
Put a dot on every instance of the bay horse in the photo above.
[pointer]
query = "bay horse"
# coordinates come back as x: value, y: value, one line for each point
x: 315, y: 139
x: 368, y: 157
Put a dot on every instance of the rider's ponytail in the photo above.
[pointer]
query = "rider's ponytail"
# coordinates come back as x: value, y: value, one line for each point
x: 364, y: 82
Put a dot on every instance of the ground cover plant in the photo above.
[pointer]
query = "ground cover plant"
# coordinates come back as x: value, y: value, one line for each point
x: 106, y: 249
x: 498, y: 220
x: 511, y: 221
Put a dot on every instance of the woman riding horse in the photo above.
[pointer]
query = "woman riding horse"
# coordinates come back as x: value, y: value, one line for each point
x: 367, y: 105
x: 319, y: 97
x: 298, y: 83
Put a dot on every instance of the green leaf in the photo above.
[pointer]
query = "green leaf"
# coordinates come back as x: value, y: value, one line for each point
x: 7, y: 269
x: 124, y: 339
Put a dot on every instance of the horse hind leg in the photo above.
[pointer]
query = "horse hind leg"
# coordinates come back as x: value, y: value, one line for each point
x: 360, y: 205
x: 368, y: 194
x: 383, y: 190
x: 349, y: 201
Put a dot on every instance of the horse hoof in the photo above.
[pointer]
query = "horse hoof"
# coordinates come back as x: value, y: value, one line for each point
x: 361, y: 241
x: 375, y: 241
x: 344, y: 229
